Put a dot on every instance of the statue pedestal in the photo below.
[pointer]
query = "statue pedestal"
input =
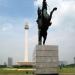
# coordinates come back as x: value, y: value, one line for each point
x: 46, y: 57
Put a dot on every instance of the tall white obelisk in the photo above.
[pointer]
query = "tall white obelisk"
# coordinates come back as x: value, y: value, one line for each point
x: 26, y: 42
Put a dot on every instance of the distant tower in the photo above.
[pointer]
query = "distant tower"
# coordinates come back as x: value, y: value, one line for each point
x: 26, y: 42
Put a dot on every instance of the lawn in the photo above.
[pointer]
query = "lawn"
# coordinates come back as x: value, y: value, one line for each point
x: 14, y: 71
x: 67, y: 70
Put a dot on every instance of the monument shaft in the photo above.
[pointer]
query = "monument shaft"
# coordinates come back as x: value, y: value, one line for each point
x: 26, y: 46
x: 26, y: 43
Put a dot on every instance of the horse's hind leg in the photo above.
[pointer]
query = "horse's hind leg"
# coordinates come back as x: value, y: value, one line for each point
x: 39, y: 38
x: 44, y: 36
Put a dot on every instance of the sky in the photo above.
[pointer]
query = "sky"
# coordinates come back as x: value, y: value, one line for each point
x: 14, y: 14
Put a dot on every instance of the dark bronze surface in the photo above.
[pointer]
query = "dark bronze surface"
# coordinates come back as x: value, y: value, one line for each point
x: 43, y: 21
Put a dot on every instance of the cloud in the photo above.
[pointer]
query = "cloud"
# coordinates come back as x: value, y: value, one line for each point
x: 37, y: 3
x: 67, y: 16
x: 11, y: 24
x: 6, y: 27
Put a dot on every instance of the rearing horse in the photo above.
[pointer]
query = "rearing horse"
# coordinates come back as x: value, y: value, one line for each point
x: 43, y: 25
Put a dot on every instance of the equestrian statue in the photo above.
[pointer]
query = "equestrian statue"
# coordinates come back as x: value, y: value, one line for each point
x: 43, y: 21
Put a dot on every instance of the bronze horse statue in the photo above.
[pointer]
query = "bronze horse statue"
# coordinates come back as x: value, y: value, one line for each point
x: 43, y: 24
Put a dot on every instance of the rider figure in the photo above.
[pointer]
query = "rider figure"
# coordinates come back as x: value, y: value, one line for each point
x: 42, y: 13
x: 44, y: 5
x: 45, y: 15
x: 44, y: 10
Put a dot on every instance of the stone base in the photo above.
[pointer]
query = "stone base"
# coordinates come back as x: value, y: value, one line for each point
x: 47, y: 74
x: 46, y: 60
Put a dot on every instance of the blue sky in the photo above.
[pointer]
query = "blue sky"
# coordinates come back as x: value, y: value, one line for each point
x: 14, y: 14
x: 16, y: 8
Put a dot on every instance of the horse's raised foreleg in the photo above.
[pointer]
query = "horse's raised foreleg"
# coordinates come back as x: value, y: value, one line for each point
x: 51, y: 13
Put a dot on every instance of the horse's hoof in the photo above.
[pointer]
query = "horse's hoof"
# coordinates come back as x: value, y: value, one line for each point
x: 55, y: 8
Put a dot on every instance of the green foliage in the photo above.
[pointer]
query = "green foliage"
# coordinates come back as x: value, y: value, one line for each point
x: 3, y: 66
x: 67, y: 70
x: 14, y: 71
x: 70, y: 66
x: 22, y: 66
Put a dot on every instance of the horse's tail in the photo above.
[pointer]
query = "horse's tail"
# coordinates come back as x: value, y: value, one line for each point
x: 51, y: 13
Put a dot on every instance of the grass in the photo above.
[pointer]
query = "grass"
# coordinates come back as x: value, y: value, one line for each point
x: 67, y: 70
x: 14, y: 71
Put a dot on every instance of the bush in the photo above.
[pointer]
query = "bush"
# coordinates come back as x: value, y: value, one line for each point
x: 22, y: 66
x: 3, y: 66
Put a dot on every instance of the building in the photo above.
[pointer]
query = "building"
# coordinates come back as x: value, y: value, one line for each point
x: 74, y: 60
x: 10, y: 61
